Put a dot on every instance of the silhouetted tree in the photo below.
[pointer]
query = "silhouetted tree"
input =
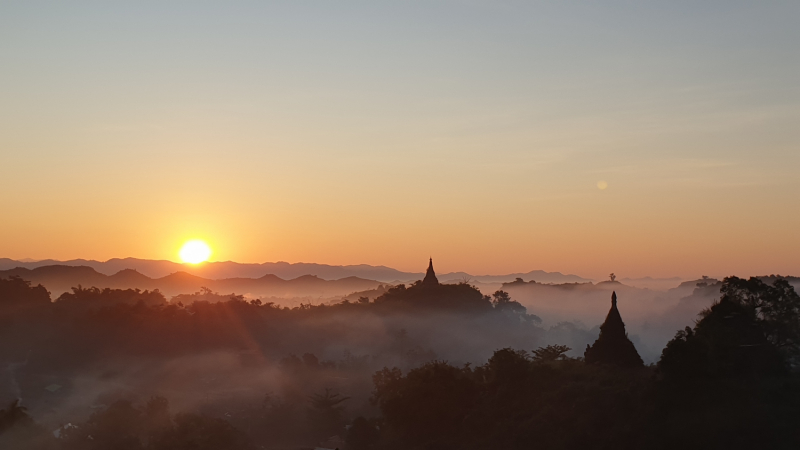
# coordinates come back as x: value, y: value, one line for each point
x: 207, y: 295
x: 550, y: 353
x: 362, y: 435
x: 119, y: 427
x: 507, y: 366
x: 325, y: 413
x: 511, y: 402
x: 123, y: 426
x: 724, y: 383
x: 95, y: 298
x: 17, y: 294
x: 427, y: 407
x: 501, y: 301
x: 775, y: 307
x: 280, y: 421
x: 434, y: 295
x: 199, y: 432
x: 727, y: 341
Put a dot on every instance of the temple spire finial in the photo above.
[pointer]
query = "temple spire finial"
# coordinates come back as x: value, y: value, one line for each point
x: 430, y: 275
x: 614, y: 298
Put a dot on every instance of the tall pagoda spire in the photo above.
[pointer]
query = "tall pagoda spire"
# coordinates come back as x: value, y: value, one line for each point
x: 613, y: 345
x: 430, y: 276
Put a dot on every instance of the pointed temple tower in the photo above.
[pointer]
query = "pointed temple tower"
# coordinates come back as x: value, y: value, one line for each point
x: 613, y: 345
x: 430, y: 276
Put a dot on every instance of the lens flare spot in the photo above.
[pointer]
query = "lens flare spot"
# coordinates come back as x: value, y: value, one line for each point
x: 195, y: 252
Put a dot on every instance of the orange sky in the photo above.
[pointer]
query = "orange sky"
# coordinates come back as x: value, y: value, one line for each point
x: 474, y: 133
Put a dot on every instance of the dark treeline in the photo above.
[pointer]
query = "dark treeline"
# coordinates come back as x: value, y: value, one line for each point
x: 417, y: 368
x: 727, y: 382
x: 105, y: 323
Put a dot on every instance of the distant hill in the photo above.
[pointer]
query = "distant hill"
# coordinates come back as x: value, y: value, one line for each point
x: 61, y: 278
x: 219, y: 270
x: 284, y: 270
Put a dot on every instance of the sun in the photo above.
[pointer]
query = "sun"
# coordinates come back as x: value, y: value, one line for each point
x: 195, y: 252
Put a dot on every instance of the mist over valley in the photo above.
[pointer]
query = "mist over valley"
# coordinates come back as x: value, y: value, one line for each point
x: 256, y: 360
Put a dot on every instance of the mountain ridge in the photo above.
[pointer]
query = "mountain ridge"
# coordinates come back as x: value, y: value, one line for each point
x: 62, y: 278
x: 229, y: 269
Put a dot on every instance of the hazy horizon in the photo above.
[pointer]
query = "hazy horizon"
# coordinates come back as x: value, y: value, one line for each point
x: 620, y: 276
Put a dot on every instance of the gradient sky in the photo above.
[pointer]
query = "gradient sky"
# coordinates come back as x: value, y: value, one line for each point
x: 375, y: 132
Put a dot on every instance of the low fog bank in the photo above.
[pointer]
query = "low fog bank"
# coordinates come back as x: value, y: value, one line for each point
x: 657, y: 284
x: 262, y: 364
x: 232, y: 357
x: 652, y: 317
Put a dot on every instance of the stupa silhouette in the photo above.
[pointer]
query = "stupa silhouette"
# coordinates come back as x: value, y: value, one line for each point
x: 429, y: 293
x: 613, y: 345
x: 430, y: 276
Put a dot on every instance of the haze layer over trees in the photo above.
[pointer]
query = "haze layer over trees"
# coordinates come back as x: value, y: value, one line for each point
x: 423, y: 366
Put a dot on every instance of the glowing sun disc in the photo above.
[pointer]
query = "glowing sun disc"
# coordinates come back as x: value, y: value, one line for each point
x: 195, y: 252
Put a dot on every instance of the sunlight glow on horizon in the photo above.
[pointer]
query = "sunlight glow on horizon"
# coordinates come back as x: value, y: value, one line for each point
x: 195, y: 252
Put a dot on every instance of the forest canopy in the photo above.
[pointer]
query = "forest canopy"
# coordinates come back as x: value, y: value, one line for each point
x: 219, y: 371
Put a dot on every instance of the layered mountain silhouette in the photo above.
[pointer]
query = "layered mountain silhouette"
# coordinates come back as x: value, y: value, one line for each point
x: 284, y: 270
x: 61, y: 278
